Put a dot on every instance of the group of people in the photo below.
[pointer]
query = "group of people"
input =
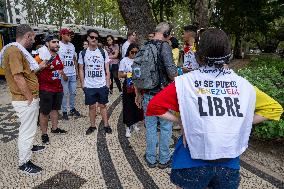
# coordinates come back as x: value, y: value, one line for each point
x: 214, y: 106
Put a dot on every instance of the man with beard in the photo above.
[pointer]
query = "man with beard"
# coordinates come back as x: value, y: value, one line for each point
x: 20, y: 68
x: 50, y: 88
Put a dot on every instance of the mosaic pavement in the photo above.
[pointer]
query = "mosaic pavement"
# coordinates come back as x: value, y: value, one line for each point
x: 75, y: 160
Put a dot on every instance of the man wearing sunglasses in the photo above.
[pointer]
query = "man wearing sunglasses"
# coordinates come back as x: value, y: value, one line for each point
x: 68, y: 57
x: 50, y: 88
x: 95, y: 79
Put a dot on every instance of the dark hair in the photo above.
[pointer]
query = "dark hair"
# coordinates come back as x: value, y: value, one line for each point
x: 131, y: 46
x: 214, y: 46
x: 50, y: 37
x: 129, y: 33
x: 110, y: 37
x: 174, y: 42
x: 85, y: 41
x: 92, y: 31
x: 22, y: 29
x: 190, y: 28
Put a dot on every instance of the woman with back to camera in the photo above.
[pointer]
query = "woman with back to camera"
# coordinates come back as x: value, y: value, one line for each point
x: 217, y: 109
x: 131, y: 113
x: 113, y: 53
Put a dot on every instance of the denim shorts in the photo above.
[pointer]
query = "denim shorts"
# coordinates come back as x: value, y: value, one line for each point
x: 201, y: 177
x: 94, y: 95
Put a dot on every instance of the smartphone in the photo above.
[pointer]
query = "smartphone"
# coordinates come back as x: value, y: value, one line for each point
x: 50, y: 60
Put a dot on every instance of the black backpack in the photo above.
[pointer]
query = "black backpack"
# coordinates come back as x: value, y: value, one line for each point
x: 83, y: 53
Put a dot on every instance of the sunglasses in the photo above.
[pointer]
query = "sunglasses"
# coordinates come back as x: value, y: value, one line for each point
x: 54, y: 41
x: 133, y: 52
x: 94, y: 37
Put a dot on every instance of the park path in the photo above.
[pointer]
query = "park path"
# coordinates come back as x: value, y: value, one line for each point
x: 100, y: 161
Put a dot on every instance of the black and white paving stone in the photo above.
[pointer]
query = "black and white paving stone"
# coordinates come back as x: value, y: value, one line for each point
x: 103, y: 160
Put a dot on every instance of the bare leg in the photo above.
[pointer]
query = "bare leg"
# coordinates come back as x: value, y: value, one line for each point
x: 103, y: 109
x: 43, y: 121
x: 92, y: 114
x: 54, y: 119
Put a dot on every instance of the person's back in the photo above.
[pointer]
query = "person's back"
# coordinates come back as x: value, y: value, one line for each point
x: 165, y: 73
x: 217, y: 109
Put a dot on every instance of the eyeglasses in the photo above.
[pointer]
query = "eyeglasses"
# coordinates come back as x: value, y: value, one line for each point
x: 54, y: 41
x: 133, y: 52
x: 94, y: 37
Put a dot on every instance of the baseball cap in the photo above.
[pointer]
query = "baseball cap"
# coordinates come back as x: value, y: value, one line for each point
x: 64, y: 31
x: 50, y: 38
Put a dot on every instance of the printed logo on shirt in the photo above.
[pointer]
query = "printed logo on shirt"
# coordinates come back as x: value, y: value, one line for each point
x: 190, y: 60
x: 55, y: 75
x: 218, y: 98
x: 95, y: 69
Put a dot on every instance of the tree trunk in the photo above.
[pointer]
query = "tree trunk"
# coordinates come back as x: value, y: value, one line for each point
x: 9, y: 11
x: 237, y: 47
x: 201, y: 10
x: 143, y: 22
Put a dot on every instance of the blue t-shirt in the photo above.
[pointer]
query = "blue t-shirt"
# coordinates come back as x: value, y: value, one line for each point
x: 183, y: 160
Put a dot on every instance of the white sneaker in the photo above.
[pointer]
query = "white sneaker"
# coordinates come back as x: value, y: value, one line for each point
x: 136, y: 128
x: 128, y: 132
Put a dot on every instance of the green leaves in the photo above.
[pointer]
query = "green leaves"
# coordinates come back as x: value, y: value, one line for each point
x: 266, y: 73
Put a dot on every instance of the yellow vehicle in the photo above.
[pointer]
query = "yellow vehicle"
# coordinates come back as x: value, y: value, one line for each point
x: 7, y: 35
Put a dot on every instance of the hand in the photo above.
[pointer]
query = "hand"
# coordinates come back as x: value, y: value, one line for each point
x: 65, y: 78
x: 43, y: 65
x: 183, y: 137
x: 138, y: 101
x: 30, y: 100
x: 185, y: 70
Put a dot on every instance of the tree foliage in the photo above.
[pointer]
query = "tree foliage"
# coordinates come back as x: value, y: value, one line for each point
x: 242, y: 17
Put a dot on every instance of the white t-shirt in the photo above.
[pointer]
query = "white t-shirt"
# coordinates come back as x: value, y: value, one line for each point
x: 190, y: 60
x: 124, y: 48
x: 125, y: 65
x: 95, y: 76
x: 67, y: 53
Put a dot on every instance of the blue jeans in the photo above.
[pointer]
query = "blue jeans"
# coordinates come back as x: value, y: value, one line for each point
x: 200, y: 177
x: 69, y: 89
x: 152, y: 138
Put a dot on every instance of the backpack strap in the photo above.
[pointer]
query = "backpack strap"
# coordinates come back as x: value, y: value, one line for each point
x: 104, y: 56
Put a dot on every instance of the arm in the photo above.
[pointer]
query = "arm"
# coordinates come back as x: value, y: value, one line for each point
x: 163, y: 102
x: 107, y: 75
x: 81, y: 69
x: 266, y: 108
x: 22, y: 84
x: 167, y: 57
x: 122, y: 74
x: 81, y: 74
x: 76, y: 66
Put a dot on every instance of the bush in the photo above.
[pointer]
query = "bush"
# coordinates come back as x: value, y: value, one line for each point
x: 267, y: 74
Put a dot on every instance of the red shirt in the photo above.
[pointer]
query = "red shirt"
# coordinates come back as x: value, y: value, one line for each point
x: 163, y: 101
x: 49, y: 78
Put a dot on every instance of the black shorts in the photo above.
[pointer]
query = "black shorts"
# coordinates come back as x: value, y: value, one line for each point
x: 49, y: 101
x: 94, y: 95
